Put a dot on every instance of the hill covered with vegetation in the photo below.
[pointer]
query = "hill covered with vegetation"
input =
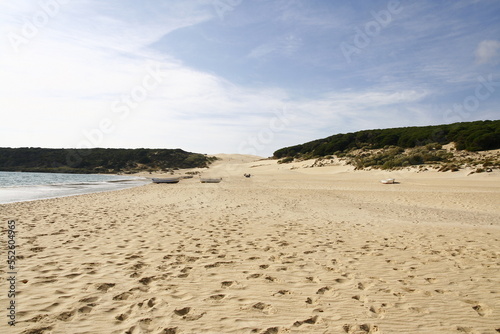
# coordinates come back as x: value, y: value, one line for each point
x: 400, y: 147
x: 98, y: 160
x: 471, y: 136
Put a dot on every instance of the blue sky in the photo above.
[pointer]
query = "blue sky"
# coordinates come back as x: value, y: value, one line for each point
x: 240, y: 76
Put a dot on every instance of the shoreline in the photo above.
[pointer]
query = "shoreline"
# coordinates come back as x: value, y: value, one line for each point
x: 33, y: 192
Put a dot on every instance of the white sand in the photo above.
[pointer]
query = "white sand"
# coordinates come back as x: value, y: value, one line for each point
x: 314, y: 250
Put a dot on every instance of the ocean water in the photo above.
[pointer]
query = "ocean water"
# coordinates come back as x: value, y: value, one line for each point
x: 20, y: 187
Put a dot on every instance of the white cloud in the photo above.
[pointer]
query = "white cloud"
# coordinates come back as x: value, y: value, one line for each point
x: 488, y: 52
x: 65, y: 81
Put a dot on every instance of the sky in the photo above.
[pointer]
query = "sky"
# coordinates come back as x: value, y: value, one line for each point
x: 240, y: 76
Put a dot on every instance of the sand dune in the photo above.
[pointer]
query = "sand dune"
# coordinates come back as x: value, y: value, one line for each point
x: 304, y: 250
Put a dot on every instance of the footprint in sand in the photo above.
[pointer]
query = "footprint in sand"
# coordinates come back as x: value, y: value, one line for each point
x: 66, y: 316
x: 148, y: 303
x: 138, y: 266
x: 151, y: 302
x: 362, y: 286
x: 144, y: 323
x: 87, y: 308
x: 360, y: 329
x: 147, y: 280
x: 341, y: 280
x: 123, y: 316
x: 323, y: 290
x: 218, y: 297
x: 227, y: 284
x: 282, y: 293
x: 193, y: 317
x: 123, y: 296
x: 104, y: 287
x: 378, y: 311
x: 270, y: 330
x: 310, y: 321
x: 271, y: 279
x: 481, y: 309
x: 184, y: 313
x: 310, y: 301
x: 312, y: 279
x: 141, y: 288
x: 410, y: 290
x: 254, y: 276
x: 264, y: 308
x: 359, y: 298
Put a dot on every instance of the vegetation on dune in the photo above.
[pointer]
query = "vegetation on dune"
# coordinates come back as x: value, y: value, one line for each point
x: 98, y: 160
x: 393, y: 157
x: 471, y: 136
x: 401, y: 147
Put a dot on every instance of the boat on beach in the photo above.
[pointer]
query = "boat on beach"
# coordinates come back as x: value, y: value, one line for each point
x: 166, y: 180
x: 210, y: 180
x: 388, y: 181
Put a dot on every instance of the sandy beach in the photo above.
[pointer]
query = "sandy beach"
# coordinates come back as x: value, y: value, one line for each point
x: 288, y: 250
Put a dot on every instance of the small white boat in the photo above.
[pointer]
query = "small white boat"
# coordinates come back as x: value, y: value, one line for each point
x: 166, y: 180
x: 210, y: 180
x: 388, y: 181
